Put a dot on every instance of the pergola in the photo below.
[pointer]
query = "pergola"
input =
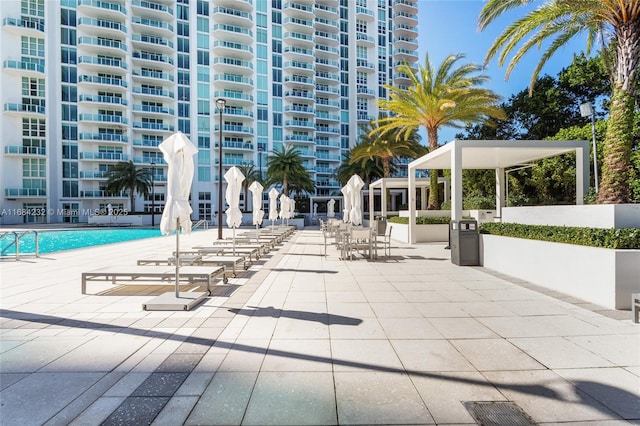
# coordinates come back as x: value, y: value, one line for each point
x: 400, y: 183
x: 499, y: 155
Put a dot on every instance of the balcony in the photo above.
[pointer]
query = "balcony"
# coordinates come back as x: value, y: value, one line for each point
x: 102, y: 137
x: 405, y: 55
x: 299, y: 24
x: 299, y: 138
x: 327, y: 103
x: 152, y: 26
x: 104, y: 156
x: 102, y: 27
x: 404, y: 17
x: 150, y: 41
x: 223, y: 47
x: 24, y: 109
x: 102, y: 119
x: 102, y: 45
x: 298, y: 109
x: 309, y: 125
x: 25, y: 192
x: 299, y: 39
x: 231, y: 16
x: 27, y: 151
x: 299, y: 81
x: 100, y: 193
x: 153, y: 109
x: 151, y: 93
x: 327, y: 38
x: 233, y: 33
x: 110, y: 100
x: 404, y: 30
x: 323, y: 63
x: 323, y: 51
x: 326, y: 77
x: 158, y: 59
x: 327, y: 157
x: 155, y: 76
x: 236, y: 96
x: 152, y: 9
x: 325, y: 11
x: 25, y: 69
x: 365, y: 14
x: 327, y: 25
x: 406, y: 5
x: 365, y: 91
x: 158, y: 127
x: 325, y: 116
x: 299, y: 10
x: 103, y: 9
x: 299, y: 53
x: 102, y: 81
x: 299, y: 66
x: 236, y: 113
x: 98, y: 64
x: 328, y: 129
x: 365, y: 66
x: 235, y: 129
x: 147, y: 143
x: 327, y: 91
x: 365, y: 40
x: 405, y: 42
x: 93, y: 175
x: 231, y: 81
x: 27, y: 26
x: 232, y: 65
x: 244, y: 146
x: 298, y: 94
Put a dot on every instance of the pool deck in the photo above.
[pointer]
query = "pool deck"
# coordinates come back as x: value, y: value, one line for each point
x: 301, y: 338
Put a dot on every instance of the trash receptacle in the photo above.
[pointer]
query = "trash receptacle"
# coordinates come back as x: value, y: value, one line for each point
x: 381, y: 222
x: 465, y: 242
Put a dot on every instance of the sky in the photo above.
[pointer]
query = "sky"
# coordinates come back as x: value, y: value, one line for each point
x: 450, y: 26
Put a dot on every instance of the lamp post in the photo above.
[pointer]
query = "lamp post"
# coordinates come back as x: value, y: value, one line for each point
x: 586, y: 109
x: 221, y: 104
x: 260, y: 161
x: 153, y: 194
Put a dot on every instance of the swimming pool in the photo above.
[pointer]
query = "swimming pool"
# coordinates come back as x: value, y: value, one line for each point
x: 52, y: 241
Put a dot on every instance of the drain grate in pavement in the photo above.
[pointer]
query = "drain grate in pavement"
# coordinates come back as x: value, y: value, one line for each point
x: 498, y: 414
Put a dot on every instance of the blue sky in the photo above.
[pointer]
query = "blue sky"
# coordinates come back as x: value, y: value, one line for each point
x: 450, y: 26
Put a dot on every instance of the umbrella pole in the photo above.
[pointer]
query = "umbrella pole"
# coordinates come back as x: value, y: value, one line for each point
x: 177, y: 257
x: 257, y: 233
x: 234, y: 240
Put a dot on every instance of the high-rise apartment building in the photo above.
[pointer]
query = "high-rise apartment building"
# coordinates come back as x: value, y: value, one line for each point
x: 90, y: 83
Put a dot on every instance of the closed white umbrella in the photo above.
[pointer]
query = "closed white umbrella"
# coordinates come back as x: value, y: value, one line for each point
x: 331, y: 206
x: 273, y: 205
x: 284, y: 207
x: 355, y: 215
x: 178, y: 152
x: 346, y: 192
x: 256, y: 202
x: 234, y: 178
x: 292, y: 208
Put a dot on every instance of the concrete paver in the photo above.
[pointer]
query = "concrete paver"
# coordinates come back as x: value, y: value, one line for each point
x: 302, y: 338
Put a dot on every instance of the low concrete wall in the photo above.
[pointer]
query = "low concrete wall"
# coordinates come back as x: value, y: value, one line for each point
x: 424, y: 233
x: 604, y: 277
x: 588, y: 216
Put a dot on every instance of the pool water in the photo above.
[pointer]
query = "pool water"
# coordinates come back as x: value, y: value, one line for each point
x: 52, y: 241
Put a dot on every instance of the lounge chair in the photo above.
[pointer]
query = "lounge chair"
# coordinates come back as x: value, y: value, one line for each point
x: 229, y: 250
x: 231, y: 263
x: 153, y: 273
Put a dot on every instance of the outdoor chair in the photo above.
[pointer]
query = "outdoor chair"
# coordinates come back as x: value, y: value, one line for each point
x: 384, y: 241
x: 359, y: 240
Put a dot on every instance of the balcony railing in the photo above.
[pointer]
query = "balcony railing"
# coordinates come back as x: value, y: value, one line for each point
x: 27, y: 22
x: 37, y: 109
x: 103, y: 118
x: 25, y: 150
x: 116, y: 156
x: 103, y: 137
x: 25, y: 192
x: 25, y: 66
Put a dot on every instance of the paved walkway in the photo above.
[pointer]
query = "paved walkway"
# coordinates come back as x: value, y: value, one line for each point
x: 302, y: 338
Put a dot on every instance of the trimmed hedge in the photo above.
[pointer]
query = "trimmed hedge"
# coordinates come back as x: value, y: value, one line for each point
x: 595, y: 237
x: 439, y: 220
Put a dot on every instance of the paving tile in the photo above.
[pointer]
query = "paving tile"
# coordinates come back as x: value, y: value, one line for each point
x: 176, y: 411
x: 295, y: 328
x: 369, y: 328
x: 430, y: 355
x: 444, y: 394
x: 620, y: 349
x: 409, y: 328
x: 38, y: 397
x: 245, y: 355
x: 462, y: 328
x: 378, y: 398
x: 97, y: 412
x: 547, y: 397
x: 298, y: 355
x: 357, y: 355
x: 35, y: 354
x: 395, y: 310
x: 139, y: 410
x: 160, y: 385
x: 558, y: 352
x: 616, y: 388
x: 495, y: 354
x: 225, y: 399
x: 292, y: 398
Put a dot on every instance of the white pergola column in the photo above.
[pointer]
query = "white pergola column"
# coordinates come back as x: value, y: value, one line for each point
x: 383, y: 198
x: 500, y: 200
x: 372, y: 214
x: 456, y: 181
x: 412, y: 206
x: 423, y: 198
x: 582, y: 174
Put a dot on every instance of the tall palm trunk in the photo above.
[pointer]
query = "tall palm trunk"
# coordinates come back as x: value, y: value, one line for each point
x: 616, y: 168
x: 434, y: 195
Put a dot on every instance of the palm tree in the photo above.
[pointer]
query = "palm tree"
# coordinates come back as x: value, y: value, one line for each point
x: 445, y: 97
x: 385, y: 146
x: 125, y: 175
x: 367, y: 169
x: 617, y: 22
x: 251, y: 174
x: 286, y: 167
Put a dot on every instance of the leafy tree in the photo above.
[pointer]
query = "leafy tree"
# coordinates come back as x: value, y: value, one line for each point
x: 251, y: 174
x: 286, y: 167
x: 449, y: 96
x: 125, y: 176
x: 617, y: 22
x: 385, y: 146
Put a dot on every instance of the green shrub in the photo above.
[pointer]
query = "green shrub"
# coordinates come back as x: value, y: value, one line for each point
x: 439, y: 220
x: 594, y: 237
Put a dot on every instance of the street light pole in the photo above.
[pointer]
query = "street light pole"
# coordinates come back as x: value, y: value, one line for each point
x: 221, y: 103
x: 586, y: 109
x: 153, y: 194
x: 260, y: 161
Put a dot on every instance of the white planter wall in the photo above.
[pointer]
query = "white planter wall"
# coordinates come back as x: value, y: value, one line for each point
x: 588, y: 216
x: 424, y: 233
x: 604, y: 277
